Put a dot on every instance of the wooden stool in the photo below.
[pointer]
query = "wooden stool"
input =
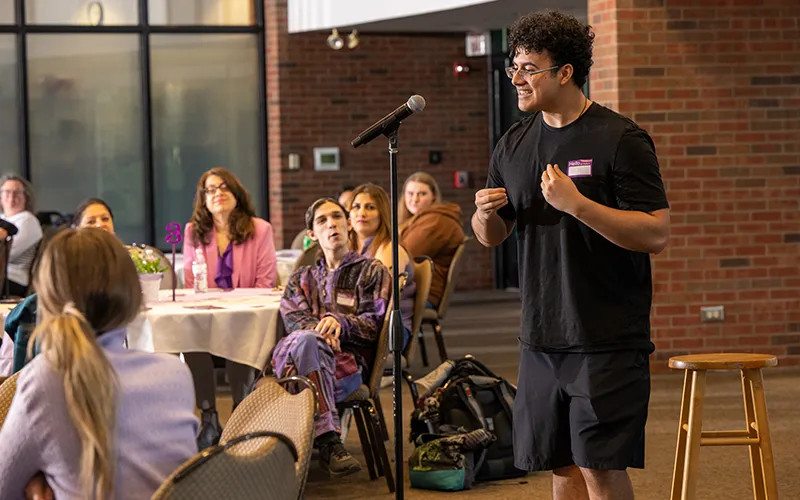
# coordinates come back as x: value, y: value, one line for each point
x: 690, y: 430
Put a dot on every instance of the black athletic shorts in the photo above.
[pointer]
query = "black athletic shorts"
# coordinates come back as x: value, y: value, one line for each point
x: 586, y: 409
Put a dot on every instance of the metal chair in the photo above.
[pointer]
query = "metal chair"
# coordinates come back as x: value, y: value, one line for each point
x: 270, y: 407
x: 365, y: 403
x: 435, y: 316
x: 255, y: 465
x: 7, y: 390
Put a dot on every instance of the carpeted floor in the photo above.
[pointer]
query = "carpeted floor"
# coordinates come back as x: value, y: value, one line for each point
x: 489, y: 331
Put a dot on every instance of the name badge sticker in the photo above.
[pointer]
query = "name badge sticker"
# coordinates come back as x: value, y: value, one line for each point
x: 579, y: 168
x: 346, y: 299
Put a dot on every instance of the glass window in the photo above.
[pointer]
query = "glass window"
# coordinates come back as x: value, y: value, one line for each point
x: 202, y: 12
x: 82, y: 12
x: 6, y: 11
x: 205, y: 114
x: 85, y: 125
x: 9, y: 125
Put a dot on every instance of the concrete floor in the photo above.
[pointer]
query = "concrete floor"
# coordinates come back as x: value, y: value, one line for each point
x: 487, y: 327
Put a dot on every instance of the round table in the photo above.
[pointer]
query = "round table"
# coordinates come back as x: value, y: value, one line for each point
x: 239, y: 324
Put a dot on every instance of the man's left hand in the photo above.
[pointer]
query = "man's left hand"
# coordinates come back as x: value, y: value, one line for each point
x: 559, y: 190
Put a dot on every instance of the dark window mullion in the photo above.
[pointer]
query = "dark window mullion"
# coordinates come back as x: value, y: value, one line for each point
x: 147, y: 123
x: 261, y: 50
x: 22, y: 91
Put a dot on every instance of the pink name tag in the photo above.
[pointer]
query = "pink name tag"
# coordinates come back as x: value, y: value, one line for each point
x: 579, y: 168
x: 345, y: 299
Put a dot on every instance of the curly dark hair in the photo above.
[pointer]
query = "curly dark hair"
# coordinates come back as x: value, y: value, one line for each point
x: 241, y: 224
x: 563, y: 37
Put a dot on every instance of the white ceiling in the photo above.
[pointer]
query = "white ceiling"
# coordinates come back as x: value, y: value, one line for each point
x: 485, y: 16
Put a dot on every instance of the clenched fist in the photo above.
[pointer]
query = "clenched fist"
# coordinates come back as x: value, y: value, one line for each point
x: 489, y: 201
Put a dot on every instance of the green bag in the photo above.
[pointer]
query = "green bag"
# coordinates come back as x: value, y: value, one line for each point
x: 446, y: 462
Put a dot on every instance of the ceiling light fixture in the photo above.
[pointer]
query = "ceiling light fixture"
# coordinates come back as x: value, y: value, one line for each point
x: 352, y: 40
x: 335, y: 41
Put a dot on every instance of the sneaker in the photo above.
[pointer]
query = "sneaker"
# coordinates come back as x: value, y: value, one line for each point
x: 336, y: 461
x: 210, y: 430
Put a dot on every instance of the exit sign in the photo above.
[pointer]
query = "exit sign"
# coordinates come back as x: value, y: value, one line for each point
x: 478, y: 44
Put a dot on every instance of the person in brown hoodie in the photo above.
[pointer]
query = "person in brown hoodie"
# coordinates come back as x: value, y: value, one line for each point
x: 430, y: 227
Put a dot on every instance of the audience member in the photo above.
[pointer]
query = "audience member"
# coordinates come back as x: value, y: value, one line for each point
x: 371, y: 220
x: 346, y: 197
x: 92, y: 212
x: 333, y: 312
x: 430, y: 227
x: 239, y: 251
x: 93, y: 418
x: 16, y: 200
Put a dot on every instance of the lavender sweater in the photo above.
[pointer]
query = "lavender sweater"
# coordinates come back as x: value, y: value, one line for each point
x: 156, y: 425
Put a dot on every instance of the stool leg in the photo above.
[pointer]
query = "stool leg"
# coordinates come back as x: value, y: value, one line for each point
x: 680, y: 449
x: 694, y: 431
x: 756, y: 383
x: 755, y: 455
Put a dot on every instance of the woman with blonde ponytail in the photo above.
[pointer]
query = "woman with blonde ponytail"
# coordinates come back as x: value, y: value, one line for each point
x: 95, y: 420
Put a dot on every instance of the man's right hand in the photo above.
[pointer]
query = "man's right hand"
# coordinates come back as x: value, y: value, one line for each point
x: 489, y: 201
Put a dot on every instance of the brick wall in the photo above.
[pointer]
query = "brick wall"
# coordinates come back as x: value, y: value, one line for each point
x: 718, y: 88
x: 320, y: 97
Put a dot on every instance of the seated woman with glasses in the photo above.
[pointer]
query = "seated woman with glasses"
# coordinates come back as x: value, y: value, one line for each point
x: 239, y: 252
x: 16, y: 200
x: 91, y: 419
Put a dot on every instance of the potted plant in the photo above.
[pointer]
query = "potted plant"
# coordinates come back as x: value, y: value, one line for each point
x: 150, y: 268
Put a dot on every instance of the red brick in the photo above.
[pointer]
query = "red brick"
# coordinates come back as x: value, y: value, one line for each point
x: 737, y: 203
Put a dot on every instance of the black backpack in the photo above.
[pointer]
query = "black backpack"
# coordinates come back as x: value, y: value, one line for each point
x: 473, y: 397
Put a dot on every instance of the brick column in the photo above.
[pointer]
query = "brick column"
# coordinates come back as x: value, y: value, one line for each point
x: 717, y: 85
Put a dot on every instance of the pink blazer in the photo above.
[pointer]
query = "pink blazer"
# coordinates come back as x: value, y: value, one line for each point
x: 254, y: 261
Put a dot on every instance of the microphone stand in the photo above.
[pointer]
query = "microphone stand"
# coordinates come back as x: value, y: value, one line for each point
x: 395, y: 321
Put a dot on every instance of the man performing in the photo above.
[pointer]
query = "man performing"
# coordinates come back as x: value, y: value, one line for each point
x: 582, y: 185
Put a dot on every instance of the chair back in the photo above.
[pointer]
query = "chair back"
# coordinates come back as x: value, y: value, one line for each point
x: 7, y: 390
x: 308, y: 258
x: 5, y: 249
x: 381, y: 352
x: 423, y: 276
x: 255, y: 465
x: 271, y: 408
x: 450, y: 285
x: 297, y: 242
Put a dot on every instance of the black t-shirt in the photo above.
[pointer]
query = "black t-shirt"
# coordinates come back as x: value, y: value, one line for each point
x: 580, y: 292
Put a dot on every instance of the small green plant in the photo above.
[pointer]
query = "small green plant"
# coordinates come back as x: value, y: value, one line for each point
x: 146, y: 260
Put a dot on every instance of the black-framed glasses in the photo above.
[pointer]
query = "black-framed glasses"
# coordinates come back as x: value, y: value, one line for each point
x: 212, y: 190
x: 526, y: 73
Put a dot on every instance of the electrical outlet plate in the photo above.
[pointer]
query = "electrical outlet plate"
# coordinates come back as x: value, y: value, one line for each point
x: 712, y: 314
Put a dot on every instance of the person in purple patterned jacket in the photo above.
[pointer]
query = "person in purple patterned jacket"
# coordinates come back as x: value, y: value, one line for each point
x: 333, y: 312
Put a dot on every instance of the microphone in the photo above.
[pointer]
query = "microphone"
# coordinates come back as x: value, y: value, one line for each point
x: 388, y: 123
x: 10, y: 228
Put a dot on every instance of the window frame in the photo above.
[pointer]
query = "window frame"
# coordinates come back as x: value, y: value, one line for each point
x: 144, y: 29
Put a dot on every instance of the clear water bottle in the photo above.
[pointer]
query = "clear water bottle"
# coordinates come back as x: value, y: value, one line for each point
x: 200, y: 271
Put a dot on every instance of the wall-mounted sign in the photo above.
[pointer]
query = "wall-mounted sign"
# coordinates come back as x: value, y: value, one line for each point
x: 478, y: 44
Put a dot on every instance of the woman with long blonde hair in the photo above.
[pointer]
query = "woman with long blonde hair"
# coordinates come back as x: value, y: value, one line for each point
x: 94, y: 419
x: 428, y: 226
x: 370, y: 216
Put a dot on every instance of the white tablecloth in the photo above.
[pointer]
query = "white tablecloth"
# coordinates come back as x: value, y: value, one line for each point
x: 238, y: 325
x: 286, y: 261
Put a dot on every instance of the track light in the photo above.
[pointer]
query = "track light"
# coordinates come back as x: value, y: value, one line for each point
x: 335, y: 41
x: 352, y: 40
